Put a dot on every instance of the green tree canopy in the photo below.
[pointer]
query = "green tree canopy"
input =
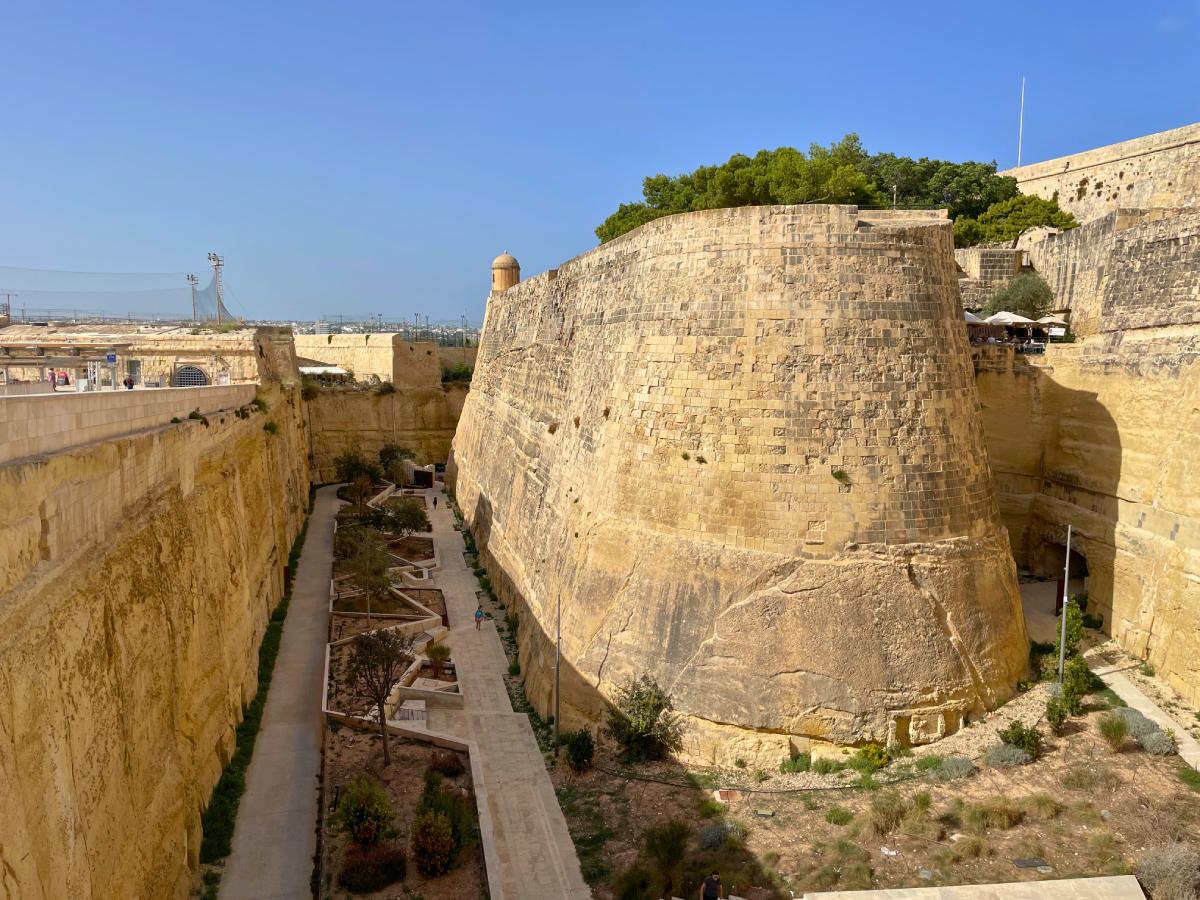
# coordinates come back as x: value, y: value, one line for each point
x: 1009, y: 219
x: 1026, y: 295
x: 843, y: 172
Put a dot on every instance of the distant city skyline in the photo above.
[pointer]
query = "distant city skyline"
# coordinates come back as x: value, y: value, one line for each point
x: 375, y: 158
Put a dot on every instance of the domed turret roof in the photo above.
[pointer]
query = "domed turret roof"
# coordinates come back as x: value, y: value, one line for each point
x: 505, y: 261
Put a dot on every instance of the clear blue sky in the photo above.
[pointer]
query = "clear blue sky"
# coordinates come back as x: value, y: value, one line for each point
x: 373, y: 157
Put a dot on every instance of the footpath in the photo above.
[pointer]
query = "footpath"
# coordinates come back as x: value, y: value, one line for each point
x: 275, y: 840
x: 536, y: 856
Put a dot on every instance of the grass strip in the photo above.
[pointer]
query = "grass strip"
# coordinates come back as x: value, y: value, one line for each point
x: 219, y: 817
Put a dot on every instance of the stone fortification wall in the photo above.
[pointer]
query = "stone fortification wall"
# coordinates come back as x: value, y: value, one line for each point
x: 384, y: 355
x: 422, y: 419
x: 1130, y: 269
x: 1102, y: 435
x: 1156, y: 171
x: 136, y: 578
x: 44, y: 423
x: 984, y: 270
x: 743, y: 448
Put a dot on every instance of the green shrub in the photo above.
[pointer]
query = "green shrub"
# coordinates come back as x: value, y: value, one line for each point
x: 1114, y: 729
x: 580, y: 748
x: 384, y: 388
x: 456, y: 808
x: 371, y: 869
x: 1078, y: 682
x: 1074, y: 629
x: 438, y: 655
x: 928, y: 763
x: 1056, y: 714
x: 514, y: 667
x: 826, y: 766
x: 1026, y: 738
x: 271, y: 427
x: 643, y: 722
x: 666, y: 844
x: 870, y: 757
x: 953, y: 767
x: 1146, y: 669
x: 886, y: 812
x: 999, y: 812
x: 447, y: 764
x: 364, y: 812
x: 260, y: 403
x: 797, y: 762
x: 1170, y: 872
x: 838, y: 815
x: 1160, y: 743
x: 1005, y: 756
x: 715, y: 837
x: 308, y: 388
x: 635, y: 883
x: 432, y: 843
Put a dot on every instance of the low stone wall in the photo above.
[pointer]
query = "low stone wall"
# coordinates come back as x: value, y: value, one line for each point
x: 45, y: 423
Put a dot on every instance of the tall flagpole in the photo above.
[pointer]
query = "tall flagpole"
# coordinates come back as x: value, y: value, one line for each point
x: 1021, y: 123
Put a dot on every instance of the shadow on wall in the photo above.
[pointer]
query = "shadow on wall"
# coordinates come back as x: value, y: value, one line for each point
x: 1056, y: 459
x: 674, y: 793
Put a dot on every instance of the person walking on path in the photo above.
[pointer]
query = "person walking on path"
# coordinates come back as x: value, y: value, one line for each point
x: 435, y: 502
x: 478, y: 617
x: 711, y: 889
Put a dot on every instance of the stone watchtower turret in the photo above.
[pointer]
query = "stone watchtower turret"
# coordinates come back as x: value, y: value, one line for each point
x: 506, y: 272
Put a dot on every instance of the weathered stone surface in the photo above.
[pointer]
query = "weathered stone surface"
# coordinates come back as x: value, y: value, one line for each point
x: 421, y: 418
x: 136, y: 579
x: 743, y: 448
x: 1155, y: 171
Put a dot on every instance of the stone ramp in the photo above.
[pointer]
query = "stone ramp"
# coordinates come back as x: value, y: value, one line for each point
x: 531, y: 845
x: 1122, y: 887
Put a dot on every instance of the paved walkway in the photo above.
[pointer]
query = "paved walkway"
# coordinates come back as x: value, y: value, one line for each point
x: 1120, y: 887
x: 536, y: 854
x: 275, y: 837
x: 1038, y: 599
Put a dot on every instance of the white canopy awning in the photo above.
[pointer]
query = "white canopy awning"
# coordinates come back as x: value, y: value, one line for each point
x: 971, y: 318
x: 1008, y: 318
x: 323, y: 370
x: 1052, y: 320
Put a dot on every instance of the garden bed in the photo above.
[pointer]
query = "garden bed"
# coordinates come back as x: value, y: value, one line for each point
x: 350, y: 753
x: 392, y: 606
x: 431, y: 598
x: 1082, y: 808
x: 412, y: 548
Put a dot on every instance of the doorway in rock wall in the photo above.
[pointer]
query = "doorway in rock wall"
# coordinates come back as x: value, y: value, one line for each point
x: 1049, y: 563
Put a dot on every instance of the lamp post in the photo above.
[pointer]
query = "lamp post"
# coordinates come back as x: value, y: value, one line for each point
x: 557, y: 674
x: 1062, y: 637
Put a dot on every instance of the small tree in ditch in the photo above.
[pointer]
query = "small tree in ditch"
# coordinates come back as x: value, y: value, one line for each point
x: 352, y: 464
x: 437, y: 654
x: 391, y: 458
x: 642, y: 721
x: 377, y: 660
x: 406, y: 515
x: 369, y: 567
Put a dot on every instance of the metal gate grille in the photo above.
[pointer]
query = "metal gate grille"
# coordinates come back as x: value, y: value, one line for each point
x: 188, y: 376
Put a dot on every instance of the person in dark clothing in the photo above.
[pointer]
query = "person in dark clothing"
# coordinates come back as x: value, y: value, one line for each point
x: 435, y: 502
x: 711, y: 889
x: 128, y: 382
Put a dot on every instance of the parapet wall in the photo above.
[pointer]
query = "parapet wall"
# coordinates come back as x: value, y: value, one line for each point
x: 743, y: 448
x: 45, y: 423
x: 1156, y: 171
x: 136, y: 578
x: 382, y: 355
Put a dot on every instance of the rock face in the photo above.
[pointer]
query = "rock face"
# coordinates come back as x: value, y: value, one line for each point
x: 1101, y: 434
x: 420, y: 418
x: 136, y: 578
x: 743, y: 448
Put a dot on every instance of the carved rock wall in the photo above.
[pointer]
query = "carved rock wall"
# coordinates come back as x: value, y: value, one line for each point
x: 422, y: 419
x: 743, y: 449
x: 136, y: 579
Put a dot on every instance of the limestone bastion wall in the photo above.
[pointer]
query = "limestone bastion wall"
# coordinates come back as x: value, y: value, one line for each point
x: 420, y: 418
x: 1156, y: 171
x: 137, y: 574
x: 1102, y: 434
x: 743, y: 448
